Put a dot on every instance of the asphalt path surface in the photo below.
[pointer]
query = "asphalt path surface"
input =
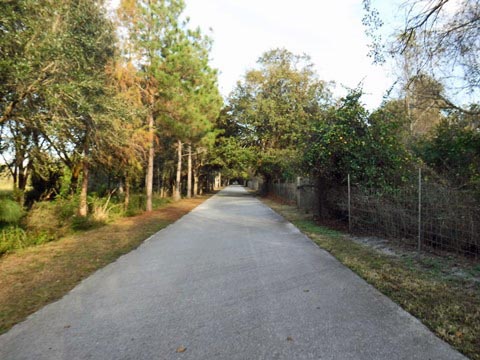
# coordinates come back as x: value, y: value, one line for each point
x: 230, y: 280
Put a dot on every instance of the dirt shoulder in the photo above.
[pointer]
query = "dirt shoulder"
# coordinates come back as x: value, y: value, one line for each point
x: 34, y: 277
x: 429, y: 287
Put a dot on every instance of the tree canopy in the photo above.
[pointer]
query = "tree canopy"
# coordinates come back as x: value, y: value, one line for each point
x: 440, y: 39
x: 274, y: 106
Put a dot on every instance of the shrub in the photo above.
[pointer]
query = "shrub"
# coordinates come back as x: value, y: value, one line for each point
x: 136, y: 205
x: 158, y: 201
x: 51, y: 218
x: 103, y: 209
x: 12, y: 238
x: 349, y: 140
x: 15, y: 238
x: 10, y: 211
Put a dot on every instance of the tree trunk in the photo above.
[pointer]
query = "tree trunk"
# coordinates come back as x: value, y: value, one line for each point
x: 189, y: 173
x: 162, y: 186
x: 151, y: 155
x: 83, y: 209
x: 195, y: 182
x: 201, y: 183
x: 20, y: 176
x: 178, y: 184
x: 15, y: 177
x: 75, y: 169
x: 22, y: 179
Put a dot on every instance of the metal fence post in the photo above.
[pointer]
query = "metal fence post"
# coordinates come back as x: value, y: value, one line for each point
x: 419, y: 245
x: 349, y: 205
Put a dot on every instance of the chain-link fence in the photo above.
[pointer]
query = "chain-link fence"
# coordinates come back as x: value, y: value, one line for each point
x: 422, y: 213
x: 425, y: 214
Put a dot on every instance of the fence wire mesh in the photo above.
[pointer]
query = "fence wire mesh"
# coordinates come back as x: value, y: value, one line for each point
x: 443, y: 219
x: 428, y: 215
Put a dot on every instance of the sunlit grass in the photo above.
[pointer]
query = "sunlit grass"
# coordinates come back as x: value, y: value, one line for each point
x: 450, y: 307
x: 32, y: 277
x: 6, y: 187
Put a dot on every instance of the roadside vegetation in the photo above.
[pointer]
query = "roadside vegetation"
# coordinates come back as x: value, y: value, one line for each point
x: 424, y: 285
x: 35, y: 276
x: 94, y: 124
x: 48, y: 221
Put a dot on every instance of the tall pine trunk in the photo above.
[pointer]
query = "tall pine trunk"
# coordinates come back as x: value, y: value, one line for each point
x: 178, y: 184
x: 83, y: 209
x: 195, y: 182
x: 162, y: 187
x: 189, y: 173
x: 151, y: 155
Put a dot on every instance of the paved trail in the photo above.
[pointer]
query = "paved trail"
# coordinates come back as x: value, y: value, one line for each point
x: 230, y: 280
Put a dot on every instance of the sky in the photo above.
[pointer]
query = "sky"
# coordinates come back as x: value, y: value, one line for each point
x: 331, y: 32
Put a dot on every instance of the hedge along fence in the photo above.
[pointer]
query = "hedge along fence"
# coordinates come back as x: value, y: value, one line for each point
x: 303, y: 193
x: 423, y: 214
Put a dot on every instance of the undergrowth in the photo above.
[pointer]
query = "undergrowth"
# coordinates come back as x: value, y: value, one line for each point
x: 48, y: 221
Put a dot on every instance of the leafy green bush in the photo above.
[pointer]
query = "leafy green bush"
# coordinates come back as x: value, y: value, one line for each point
x: 136, y: 205
x: 10, y: 211
x: 349, y: 140
x: 12, y: 238
x: 49, y: 220
x: 453, y: 151
x: 15, y: 238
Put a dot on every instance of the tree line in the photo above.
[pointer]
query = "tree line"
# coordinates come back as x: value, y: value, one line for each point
x: 282, y: 121
x: 86, y: 95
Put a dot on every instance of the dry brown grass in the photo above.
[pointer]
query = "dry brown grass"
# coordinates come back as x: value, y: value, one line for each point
x: 449, y: 306
x: 36, y: 276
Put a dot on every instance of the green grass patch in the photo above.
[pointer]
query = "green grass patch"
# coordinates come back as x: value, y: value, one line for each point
x: 449, y: 306
x: 10, y: 211
x: 311, y: 227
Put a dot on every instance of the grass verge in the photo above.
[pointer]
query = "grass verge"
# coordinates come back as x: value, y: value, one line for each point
x: 449, y: 306
x: 36, y: 276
